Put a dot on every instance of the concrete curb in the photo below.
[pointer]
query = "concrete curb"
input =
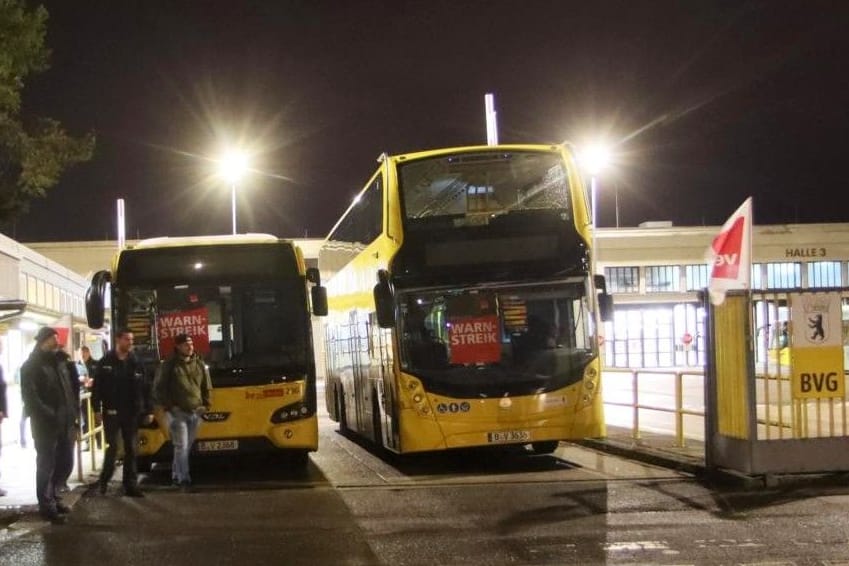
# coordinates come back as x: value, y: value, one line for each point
x: 719, y: 478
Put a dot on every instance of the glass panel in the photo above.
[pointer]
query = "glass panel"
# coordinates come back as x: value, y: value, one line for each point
x: 824, y: 274
x: 248, y: 334
x: 783, y: 275
x: 662, y: 278
x: 511, y: 338
x: 697, y: 276
x: 622, y: 279
x: 475, y: 187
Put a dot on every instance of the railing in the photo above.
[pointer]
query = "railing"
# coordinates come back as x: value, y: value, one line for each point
x: 657, y: 401
x: 90, y: 436
x: 778, y: 416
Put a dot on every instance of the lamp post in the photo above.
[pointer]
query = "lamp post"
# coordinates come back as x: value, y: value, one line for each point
x: 232, y: 167
x: 594, y: 159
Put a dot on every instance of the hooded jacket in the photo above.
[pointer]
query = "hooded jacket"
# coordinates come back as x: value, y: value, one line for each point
x: 184, y: 383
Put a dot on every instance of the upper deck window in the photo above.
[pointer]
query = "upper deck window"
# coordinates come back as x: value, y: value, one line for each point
x: 471, y: 188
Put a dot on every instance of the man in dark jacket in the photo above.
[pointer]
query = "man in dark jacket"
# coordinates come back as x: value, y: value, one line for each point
x: 50, y: 403
x: 65, y: 464
x: 4, y: 407
x: 121, y: 397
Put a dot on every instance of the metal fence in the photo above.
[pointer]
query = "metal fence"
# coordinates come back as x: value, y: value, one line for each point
x: 91, y: 440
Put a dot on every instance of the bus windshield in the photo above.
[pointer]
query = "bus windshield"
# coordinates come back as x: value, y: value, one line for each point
x: 243, y: 305
x: 510, y: 340
x: 469, y: 189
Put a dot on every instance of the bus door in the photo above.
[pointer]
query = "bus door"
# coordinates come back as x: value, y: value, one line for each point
x: 360, y: 369
x: 380, y: 352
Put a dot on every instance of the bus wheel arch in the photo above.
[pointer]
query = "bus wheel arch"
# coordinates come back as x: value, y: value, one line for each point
x: 377, y: 424
x: 144, y: 464
x: 341, y: 413
x: 545, y: 446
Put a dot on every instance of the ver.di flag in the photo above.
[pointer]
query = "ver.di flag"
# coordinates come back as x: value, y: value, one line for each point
x: 730, y: 255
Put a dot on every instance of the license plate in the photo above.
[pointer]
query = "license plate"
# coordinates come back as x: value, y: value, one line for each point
x: 508, y: 436
x: 217, y: 445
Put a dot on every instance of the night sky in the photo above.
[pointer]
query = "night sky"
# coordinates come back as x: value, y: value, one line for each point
x: 707, y: 102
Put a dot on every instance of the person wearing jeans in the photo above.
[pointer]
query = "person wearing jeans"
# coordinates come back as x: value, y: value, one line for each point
x: 183, y: 427
x: 183, y: 390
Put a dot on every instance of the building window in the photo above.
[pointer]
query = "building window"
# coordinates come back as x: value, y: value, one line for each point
x: 40, y: 297
x: 783, y: 275
x: 697, y: 276
x: 622, y: 279
x: 757, y: 276
x: 663, y: 278
x: 32, y: 289
x: 824, y: 274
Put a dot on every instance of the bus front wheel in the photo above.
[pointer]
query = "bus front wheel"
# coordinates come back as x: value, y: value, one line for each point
x: 545, y: 447
x: 299, y: 459
x: 340, y: 411
x: 144, y: 465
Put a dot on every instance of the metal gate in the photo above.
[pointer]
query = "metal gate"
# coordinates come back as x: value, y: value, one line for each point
x: 757, y: 421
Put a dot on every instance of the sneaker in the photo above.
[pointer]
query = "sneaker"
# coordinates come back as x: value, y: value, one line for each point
x: 186, y: 487
x: 63, y: 488
x: 133, y: 491
x: 102, y: 486
x: 62, y: 509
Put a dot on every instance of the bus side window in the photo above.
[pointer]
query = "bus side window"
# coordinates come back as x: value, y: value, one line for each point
x: 217, y: 351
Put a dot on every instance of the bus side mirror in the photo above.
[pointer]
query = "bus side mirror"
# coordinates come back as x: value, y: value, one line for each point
x: 599, y: 283
x: 318, y: 294
x: 314, y: 275
x: 95, y: 299
x: 384, y: 300
x: 605, y: 307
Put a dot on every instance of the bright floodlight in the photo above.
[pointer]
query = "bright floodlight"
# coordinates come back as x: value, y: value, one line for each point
x: 232, y: 166
x: 595, y: 158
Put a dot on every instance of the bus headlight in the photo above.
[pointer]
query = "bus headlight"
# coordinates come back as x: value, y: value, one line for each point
x: 290, y: 413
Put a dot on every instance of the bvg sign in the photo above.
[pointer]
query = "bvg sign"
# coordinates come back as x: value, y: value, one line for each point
x: 816, y: 345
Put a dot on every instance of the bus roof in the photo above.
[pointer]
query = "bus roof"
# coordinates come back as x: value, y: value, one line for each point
x: 474, y: 148
x: 169, y: 242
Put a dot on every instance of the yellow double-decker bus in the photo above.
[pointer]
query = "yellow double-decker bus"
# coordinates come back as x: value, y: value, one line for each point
x: 243, y: 299
x: 462, y: 310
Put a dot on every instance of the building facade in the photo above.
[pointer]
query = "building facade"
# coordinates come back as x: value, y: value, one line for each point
x: 654, y: 272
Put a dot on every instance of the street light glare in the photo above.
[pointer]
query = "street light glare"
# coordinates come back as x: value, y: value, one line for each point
x: 233, y: 165
x: 595, y: 158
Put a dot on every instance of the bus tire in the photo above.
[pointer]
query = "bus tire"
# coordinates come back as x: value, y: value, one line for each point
x: 340, y: 411
x: 299, y: 459
x: 377, y: 429
x: 545, y: 447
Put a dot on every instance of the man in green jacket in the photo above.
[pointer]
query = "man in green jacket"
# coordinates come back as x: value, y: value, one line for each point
x: 183, y: 389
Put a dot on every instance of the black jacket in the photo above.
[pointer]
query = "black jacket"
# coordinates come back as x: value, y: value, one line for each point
x: 4, y: 408
x: 129, y: 393
x: 47, y: 394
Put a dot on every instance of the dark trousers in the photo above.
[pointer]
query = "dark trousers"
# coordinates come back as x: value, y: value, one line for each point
x: 128, y: 428
x: 52, y: 449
